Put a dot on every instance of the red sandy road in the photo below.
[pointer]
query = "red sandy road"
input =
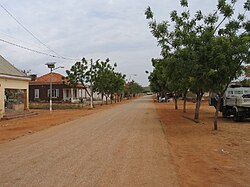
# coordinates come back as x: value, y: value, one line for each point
x: 122, y: 146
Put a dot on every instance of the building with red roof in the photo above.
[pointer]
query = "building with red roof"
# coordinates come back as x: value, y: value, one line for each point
x: 61, y: 91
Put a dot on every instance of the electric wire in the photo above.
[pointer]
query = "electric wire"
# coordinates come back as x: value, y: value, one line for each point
x: 13, y: 17
x: 38, y: 47
x: 33, y: 50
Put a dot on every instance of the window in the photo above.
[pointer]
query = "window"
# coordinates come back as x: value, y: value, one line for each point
x: 67, y: 93
x: 36, y: 93
x: 55, y: 93
x: 75, y: 93
x: 238, y: 92
x: 246, y: 96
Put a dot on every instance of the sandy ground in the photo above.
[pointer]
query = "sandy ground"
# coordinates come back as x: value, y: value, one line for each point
x: 124, y: 145
x: 199, y: 155
x: 204, y: 157
x: 15, y: 128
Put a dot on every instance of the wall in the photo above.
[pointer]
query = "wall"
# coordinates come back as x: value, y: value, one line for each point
x: 12, y: 84
x: 43, y: 92
x: 96, y: 96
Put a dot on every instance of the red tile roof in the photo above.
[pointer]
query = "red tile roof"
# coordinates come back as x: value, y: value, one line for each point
x: 56, y: 78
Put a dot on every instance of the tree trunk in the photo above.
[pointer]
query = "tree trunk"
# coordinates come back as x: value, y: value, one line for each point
x: 89, y: 94
x: 106, y: 100
x: 185, y: 103
x: 176, y: 102
x: 217, y: 113
x: 198, y: 105
x: 87, y: 91
x: 102, y: 98
x: 111, y: 98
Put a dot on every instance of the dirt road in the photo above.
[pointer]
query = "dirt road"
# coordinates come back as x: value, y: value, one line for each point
x: 121, y: 146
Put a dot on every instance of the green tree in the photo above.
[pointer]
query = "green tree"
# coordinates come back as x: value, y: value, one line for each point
x: 79, y: 73
x: 177, y: 48
x: 101, y: 78
x: 202, y: 36
x: 115, y: 84
x: 100, y: 75
x: 228, y: 55
x: 178, y: 71
x: 132, y: 88
x: 118, y: 84
x: 158, y: 78
x: 245, y: 82
x: 106, y: 81
x: 229, y: 50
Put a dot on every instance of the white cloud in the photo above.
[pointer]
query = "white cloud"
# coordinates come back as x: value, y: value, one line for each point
x: 86, y: 28
x: 110, y: 2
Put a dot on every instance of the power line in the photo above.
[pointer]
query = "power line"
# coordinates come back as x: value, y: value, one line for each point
x: 13, y: 17
x: 24, y: 42
x: 33, y: 50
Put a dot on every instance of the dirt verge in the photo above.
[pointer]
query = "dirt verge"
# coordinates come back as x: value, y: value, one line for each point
x: 204, y: 157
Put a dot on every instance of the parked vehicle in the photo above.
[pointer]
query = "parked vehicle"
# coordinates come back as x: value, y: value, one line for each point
x: 149, y: 93
x: 236, y: 102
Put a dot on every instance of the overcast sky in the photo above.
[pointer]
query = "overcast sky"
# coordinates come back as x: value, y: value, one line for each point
x: 97, y: 29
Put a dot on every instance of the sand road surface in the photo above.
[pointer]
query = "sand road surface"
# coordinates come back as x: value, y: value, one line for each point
x: 121, y: 146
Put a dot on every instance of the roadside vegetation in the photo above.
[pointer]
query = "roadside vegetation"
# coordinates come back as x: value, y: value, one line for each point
x: 200, y: 52
x: 102, y: 78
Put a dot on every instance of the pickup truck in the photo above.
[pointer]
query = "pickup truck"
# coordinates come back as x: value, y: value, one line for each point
x: 236, y: 102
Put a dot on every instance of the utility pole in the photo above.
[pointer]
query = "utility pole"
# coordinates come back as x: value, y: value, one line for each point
x: 50, y: 92
x: 51, y: 65
x: 91, y: 86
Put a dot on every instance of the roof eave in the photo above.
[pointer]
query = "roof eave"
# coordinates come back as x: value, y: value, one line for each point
x: 6, y: 76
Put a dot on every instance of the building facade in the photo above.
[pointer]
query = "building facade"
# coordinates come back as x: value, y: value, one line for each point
x: 61, y: 92
x: 14, y: 88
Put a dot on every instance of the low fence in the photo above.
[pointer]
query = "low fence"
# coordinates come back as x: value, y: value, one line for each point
x: 39, y: 105
x: 61, y: 106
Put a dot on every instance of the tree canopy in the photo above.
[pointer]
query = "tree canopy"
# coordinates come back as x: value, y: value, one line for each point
x: 201, y: 52
x: 100, y: 76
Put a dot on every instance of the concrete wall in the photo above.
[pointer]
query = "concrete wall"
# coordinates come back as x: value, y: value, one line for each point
x: 96, y: 96
x: 12, y: 84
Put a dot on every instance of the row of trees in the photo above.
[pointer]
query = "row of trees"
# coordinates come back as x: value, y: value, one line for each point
x: 102, y: 78
x: 132, y: 88
x: 200, y: 53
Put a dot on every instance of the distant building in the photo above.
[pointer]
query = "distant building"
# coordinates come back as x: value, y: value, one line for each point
x: 61, y: 92
x: 14, y: 88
